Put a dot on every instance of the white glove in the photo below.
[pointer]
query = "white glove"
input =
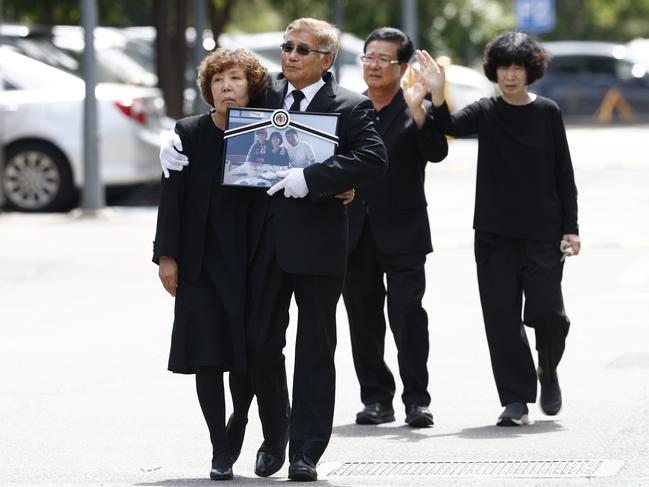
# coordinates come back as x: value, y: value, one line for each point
x: 294, y: 184
x: 170, y: 155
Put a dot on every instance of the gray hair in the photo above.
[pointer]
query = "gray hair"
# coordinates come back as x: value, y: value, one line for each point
x: 327, y: 35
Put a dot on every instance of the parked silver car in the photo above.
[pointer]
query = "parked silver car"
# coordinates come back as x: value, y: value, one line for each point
x: 596, y: 82
x: 41, y: 132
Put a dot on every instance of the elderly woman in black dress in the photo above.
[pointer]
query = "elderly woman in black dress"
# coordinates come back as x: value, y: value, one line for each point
x: 525, y: 215
x: 200, y: 246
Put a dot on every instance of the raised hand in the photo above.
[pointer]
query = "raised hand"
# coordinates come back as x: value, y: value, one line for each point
x: 432, y: 75
x: 414, y: 89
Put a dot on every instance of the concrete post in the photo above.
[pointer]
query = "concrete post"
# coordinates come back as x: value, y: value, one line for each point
x: 92, y: 194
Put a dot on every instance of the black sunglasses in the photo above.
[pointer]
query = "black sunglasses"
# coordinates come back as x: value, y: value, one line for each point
x: 301, y: 49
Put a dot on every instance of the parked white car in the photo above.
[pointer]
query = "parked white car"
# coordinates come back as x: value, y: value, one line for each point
x: 117, y: 59
x: 41, y: 111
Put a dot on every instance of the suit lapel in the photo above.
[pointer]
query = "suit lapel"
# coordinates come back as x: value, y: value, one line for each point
x: 325, y: 97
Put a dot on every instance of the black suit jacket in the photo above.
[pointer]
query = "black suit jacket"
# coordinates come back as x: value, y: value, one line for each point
x: 395, y: 205
x: 311, y: 232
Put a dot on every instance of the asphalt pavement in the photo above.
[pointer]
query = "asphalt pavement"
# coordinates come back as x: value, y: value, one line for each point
x: 85, y: 398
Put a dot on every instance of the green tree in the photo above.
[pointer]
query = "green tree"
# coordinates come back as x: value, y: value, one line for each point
x: 120, y: 13
x: 618, y: 21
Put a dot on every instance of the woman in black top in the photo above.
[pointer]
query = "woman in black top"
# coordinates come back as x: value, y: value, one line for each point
x: 525, y: 214
x: 277, y: 154
x: 201, y: 243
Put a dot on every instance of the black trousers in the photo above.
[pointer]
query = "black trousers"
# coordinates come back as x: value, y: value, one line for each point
x: 365, y: 294
x: 314, y: 376
x: 509, y: 270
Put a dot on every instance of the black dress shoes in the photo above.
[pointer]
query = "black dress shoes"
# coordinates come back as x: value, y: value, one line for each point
x: 550, y: 400
x: 418, y: 416
x: 221, y: 473
x: 302, y: 469
x: 268, y: 463
x: 375, y: 413
x: 269, y: 460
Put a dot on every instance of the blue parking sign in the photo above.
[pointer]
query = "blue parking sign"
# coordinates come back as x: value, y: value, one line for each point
x: 534, y: 16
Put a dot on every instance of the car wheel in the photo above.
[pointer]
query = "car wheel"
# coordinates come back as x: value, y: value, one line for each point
x: 37, y: 177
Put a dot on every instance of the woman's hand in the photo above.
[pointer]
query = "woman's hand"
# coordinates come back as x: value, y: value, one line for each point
x: 574, y: 241
x: 168, y: 274
x: 432, y: 75
x: 347, y: 196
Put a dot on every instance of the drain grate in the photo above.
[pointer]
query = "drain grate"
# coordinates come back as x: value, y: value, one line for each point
x: 512, y: 468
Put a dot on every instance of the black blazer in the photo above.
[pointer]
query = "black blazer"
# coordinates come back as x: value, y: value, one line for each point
x: 311, y: 232
x: 185, y: 199
x: 395, y: 205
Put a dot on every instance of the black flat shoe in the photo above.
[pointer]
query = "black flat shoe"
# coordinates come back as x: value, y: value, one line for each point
x: 302, y: 470
x: 224, y: 473
x: 550, y: 400
x: 418, y: 416
x: 268, y: 463
x: 375, y: 413
x: 235, y: 431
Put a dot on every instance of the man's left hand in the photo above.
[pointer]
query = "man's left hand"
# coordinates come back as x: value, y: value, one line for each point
x: 347, y: 196
x: 414, y: 92
x: 293, y: 184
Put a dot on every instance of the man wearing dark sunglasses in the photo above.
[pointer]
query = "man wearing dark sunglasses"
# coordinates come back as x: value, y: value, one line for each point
x: 302, y: 250
x: 390, y: 238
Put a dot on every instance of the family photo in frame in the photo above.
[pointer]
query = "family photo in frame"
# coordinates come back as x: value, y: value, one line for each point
x: 260, y: 142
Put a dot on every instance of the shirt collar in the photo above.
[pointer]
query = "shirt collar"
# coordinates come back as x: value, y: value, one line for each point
x: 309, y: 91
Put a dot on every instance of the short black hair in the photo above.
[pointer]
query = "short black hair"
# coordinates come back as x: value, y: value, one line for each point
x: 278, y: 135
x: 291, y: 131
x: 515, y: 48
x: 405, y: 48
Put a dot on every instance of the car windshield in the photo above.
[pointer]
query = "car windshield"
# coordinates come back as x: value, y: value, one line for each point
x: 23, y: 72
x: 41, y: 49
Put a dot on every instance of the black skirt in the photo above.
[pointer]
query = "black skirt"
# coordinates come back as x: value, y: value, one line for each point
x: 204, y: 332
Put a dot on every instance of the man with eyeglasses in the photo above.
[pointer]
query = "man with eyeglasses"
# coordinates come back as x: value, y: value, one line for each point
x: 390, y: 238
x: 299, y: 247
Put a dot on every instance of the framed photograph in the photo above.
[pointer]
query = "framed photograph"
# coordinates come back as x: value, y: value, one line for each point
x: 260, y: 142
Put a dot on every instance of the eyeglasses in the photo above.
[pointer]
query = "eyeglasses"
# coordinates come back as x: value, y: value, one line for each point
x: 301, y: 49
x: 381, y: 61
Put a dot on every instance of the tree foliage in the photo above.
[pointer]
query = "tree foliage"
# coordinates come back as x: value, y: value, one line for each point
x: 121, y: 13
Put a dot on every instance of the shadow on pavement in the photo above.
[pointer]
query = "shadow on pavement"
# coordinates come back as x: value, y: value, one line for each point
x: 492, y: 432
x: 406, y: 433
x: 238, y: 480
x: 401, y: 433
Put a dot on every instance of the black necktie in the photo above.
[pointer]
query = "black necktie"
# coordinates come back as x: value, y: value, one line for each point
x: 297, y: 98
